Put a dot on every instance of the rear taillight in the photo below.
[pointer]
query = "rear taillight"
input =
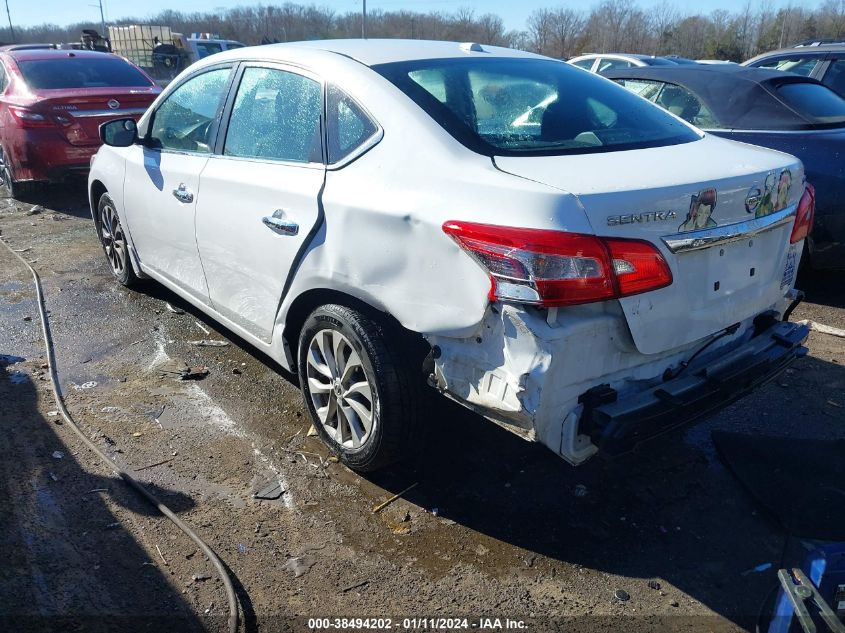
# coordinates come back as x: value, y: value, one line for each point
x: 555, y: 268
x: 30, y: 118
x: 804, y: 215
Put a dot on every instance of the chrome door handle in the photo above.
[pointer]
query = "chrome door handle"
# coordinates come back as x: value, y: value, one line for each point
x: 183, y: 194
x: 278, y: 224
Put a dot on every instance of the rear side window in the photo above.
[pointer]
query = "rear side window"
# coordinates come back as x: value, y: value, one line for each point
x: 645, y: 88
x: 276, y: 116
x: 608, y: 63
x: 349, y: 127
x: 204, y: 49
x: 517, y: 107
x: 683, y: 103
x: 586, y: 64
x: 817, y: 103
x: 834, y: 78
x: 797, y: 65
x: 81, y: 72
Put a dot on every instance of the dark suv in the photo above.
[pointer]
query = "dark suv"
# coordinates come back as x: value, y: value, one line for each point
x: 821, y: 59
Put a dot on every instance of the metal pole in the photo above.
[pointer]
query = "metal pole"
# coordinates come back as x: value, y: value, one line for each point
x: 9, y: 15
x: 102, y: 20
x: 363, y: 19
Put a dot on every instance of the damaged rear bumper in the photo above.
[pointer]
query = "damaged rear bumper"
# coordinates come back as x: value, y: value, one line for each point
x: 618, y: 425
x: 577, y: 383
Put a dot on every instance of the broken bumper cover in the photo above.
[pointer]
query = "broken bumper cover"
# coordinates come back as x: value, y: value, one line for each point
x: 617, y: 427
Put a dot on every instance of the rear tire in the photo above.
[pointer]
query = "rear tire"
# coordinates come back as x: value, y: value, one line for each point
x: 113, y: 240
x: 363, y: 396
x: 16, y: 189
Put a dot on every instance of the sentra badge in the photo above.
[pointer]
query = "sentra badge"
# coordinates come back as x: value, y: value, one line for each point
x: 638, y: 218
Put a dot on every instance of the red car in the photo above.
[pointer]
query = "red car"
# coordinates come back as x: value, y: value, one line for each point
x: 52, y: 103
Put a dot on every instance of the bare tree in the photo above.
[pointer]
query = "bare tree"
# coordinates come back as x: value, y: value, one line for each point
x: 561, y: 31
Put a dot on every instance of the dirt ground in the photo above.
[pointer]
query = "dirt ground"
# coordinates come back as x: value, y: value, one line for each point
x: 495, y: 527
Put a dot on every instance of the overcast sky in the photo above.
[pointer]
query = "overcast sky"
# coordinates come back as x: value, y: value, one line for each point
x: 513, y: 12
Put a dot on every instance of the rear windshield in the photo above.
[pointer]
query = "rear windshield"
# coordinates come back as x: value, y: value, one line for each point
x: 80, y: 72
x: 816, y: 103
x: 518, y: 107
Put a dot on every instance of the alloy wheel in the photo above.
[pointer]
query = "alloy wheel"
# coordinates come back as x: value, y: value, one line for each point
x: 340, y: 389
x: 113, y: 239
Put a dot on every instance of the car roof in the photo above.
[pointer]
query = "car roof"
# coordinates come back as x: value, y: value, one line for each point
x: 48, y: 53
x: 726, y: 89
x: 695, y: 74
x: 631, y: 55
x: 384, y: 51
x: 806, y: 49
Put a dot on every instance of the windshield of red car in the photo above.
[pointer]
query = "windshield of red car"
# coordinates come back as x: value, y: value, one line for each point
x: 81, y: 72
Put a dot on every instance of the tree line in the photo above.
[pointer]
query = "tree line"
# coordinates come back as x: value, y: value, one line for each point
x: 562, y: 32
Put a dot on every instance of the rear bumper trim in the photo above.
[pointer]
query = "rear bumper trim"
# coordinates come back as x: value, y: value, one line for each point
x: 125, y: 112
x: 617, y: 427
x: 707, y: 238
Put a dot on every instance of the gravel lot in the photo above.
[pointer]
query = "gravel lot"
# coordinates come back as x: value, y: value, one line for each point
x: 495, y: 527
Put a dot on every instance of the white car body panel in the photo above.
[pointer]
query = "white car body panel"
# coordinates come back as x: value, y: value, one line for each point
x: 653, y: 182
x: 247, y: 263
x: 149, y: 206
x: 372, y: 230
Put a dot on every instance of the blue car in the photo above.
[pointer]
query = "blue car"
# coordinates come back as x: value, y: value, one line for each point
x: 790, y: 113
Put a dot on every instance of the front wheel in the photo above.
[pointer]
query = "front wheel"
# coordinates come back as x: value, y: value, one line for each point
x: 362, y: 395
x: 113, y: 240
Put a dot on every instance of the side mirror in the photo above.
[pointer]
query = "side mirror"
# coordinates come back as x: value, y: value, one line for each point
x: 119, y: 133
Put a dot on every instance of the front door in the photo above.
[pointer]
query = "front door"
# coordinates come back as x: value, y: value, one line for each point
x: 163, y: 176
x: 260, y: 194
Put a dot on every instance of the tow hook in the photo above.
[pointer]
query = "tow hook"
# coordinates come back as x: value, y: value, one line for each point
x: 799, y: 297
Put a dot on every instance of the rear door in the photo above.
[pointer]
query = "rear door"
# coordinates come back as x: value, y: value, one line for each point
x: 161, y: 186
x: 260, y: 192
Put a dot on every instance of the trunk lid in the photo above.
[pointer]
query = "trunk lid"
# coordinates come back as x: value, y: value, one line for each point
x: 79, y: 113
x: 720, y: 212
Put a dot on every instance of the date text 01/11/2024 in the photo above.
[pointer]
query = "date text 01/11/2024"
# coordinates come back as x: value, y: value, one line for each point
x: 418, y: 624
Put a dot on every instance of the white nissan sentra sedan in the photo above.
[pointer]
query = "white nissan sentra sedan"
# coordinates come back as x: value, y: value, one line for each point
x: 524, y: 237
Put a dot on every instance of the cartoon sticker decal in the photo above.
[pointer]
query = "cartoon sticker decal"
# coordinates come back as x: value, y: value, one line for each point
x: 700, y: 209
x: 775, y: 193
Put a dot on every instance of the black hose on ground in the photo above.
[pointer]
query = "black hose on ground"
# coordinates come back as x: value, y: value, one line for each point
x: 125, y: 475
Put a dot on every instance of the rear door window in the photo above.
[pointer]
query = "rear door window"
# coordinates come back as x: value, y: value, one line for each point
x: 609, y: 63
x: 81, y: 72
x: 276, y: 116
x: 798, y: 65
x: 834, y: 78
x: 204, y: 49
x: 586, y: 64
